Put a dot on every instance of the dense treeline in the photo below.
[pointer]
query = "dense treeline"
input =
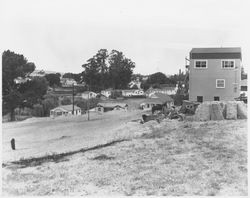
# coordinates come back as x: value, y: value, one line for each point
x: 108, y: 70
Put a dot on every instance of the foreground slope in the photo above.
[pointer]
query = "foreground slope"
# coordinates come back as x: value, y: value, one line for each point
x: 170, y: 158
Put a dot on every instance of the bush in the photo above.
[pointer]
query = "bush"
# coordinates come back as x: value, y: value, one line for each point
x: 48, y: 104
x: 178, y: 99
x: 83, y: 104
x: 66, y: 101
x: 38, y: 110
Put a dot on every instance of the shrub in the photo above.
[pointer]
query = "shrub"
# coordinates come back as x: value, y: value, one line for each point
x: 66, y: 101
x: 38, y: 110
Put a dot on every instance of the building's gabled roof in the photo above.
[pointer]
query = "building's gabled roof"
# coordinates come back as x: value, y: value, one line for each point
x: 217, y: 50
x: 112, y: 105
x: 66, y: 108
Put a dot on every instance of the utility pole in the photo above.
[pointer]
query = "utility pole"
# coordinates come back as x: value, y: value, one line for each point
x: 73, y: 103
x: 88, y: 103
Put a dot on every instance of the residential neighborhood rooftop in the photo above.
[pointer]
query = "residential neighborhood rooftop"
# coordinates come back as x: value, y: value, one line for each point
x: 111, y: 105
x: 67, y: 107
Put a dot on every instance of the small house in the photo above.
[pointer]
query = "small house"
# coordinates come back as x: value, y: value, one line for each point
x: 65, y: 110
x: 243, y: 87
x: 157, y: 99
x: 109, y: 106
x: 88, y: 95
x: 68, y: 82
x: 133, y: 93
x: 164, y: 89
x: 102, y: 97
x: 107, y: 92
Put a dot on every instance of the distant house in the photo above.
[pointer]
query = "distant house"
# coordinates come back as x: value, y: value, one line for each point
x: 133, y: 93
x: 88, y: 95
x: 20, y: 80
x: 101, y: 96
x: 65, y: 110
x: 165, y: 89
x: 214, y: 74
x: 243, y: 87
x: 41, y: 73
x: 109, y: 106
x: 107, y: 92
x: 135, y: 83
x: 68, y: 82
x: 157, y: 99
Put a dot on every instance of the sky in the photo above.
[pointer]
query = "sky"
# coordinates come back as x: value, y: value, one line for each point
x: 61, y: 35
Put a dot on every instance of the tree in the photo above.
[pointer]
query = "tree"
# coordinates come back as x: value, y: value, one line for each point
x: 95, y: 71
x: 157, y: 78
x: 76, y: 77
x: 66, y: 101
x: 33, y: 91
x: 105, y: 70
x: 38, y: 110
x: 14, y: 66
x: 120, y: 70
x: 53, y: 79
x: 49, y: 103
x: 101, y: 59
x: 91, y: 73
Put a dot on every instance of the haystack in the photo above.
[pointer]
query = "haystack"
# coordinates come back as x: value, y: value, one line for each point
x: 202, y: 112
x: 231, y: 112
x: 216, y: 112
x: 241, y: 110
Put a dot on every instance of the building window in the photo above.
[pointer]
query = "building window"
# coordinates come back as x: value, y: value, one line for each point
x: 200, y: 64
x: 216, y: 98
x: 199, y: 98
x: 228, y: 64
x: 243, y: 88
x: 220, y: 83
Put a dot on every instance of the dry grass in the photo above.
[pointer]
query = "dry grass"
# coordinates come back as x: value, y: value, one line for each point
x: 172, y: 158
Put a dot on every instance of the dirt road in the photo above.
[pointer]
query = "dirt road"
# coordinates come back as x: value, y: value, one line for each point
x: 42, y: 136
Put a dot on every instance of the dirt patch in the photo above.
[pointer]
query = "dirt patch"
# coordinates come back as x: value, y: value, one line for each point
x: 23, y: 163
x: 103, y: 157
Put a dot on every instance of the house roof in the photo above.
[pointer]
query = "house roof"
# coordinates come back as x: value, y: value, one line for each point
x: 167, y: 85
x: 66, y: 108
x: 217, y: 50
x: 152, y: 101
x: 160, y: 89
x: 129, y: 90
x: 216, y: 53
x: 162, y: 97
x: 87, y: 92
x: 111, y: 105
x: 109, y: 89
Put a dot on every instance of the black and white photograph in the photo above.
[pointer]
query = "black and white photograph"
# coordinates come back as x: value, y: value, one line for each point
x: 124, y: 97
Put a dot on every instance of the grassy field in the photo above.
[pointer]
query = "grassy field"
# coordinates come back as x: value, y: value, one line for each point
x: 42, y: 136
x: 170, y: 158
